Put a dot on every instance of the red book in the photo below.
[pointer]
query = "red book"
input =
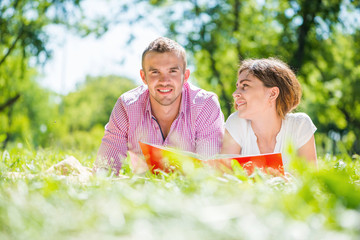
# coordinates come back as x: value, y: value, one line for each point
x: 169, y: 159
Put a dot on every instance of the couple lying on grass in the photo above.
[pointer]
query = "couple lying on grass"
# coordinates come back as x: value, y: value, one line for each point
x: 169, y: 111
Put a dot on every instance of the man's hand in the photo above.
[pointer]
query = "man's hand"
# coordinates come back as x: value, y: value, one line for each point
x: 138, y: 165
x: 69, y: 166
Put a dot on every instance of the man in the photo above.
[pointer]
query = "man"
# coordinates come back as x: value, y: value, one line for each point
x: 166, y: 111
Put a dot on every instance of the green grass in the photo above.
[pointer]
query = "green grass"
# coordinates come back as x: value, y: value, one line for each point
x: 321, y: 203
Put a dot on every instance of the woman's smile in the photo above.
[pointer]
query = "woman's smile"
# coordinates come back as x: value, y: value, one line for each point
x: 240, y: 103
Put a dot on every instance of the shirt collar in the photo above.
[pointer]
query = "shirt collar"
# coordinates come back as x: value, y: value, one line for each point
x: 184, y: 96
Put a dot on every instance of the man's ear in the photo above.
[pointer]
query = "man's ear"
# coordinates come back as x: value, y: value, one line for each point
x: 142, y: 75
x: 186, y: 75
x: 274, y: 93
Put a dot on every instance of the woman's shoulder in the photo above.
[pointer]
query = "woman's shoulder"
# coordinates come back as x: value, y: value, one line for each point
x: 299, y: 124
x: 298, y: 128
x: 297, y: 118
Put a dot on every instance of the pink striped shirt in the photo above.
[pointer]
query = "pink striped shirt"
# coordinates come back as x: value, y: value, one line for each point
x: 198, y: 128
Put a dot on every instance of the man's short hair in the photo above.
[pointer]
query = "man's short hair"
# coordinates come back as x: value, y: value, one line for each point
x: 162, y: 45
x: 275, y: 73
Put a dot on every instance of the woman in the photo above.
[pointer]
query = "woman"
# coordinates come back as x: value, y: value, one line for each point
x: 266, y: 91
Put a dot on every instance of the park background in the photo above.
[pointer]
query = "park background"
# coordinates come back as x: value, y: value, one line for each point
x: 320, y: 40
x: 45, y: 116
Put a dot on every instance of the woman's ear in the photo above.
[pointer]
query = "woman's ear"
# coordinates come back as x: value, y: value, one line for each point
x: 274, y: 93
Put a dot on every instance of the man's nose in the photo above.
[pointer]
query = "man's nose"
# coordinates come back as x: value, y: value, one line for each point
x: 164, y: 77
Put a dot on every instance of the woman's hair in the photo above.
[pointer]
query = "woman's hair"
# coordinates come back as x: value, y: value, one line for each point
x: 275, y: 73
x: 163, y: 45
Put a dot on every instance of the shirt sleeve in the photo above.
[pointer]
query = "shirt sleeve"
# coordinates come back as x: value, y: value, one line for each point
x: 209, y: 127
x: 113, y: 148
x: 304, y: 128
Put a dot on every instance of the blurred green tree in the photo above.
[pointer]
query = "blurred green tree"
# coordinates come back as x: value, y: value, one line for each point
x: 26, y: 121
x: 23, y: 46
x: 85, y: 111
x: 23, y: 25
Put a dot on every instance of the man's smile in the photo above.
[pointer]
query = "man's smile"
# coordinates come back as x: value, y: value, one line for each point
x: 164, y: 90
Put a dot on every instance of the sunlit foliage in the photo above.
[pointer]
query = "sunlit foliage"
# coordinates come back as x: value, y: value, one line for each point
x: 318, y: 203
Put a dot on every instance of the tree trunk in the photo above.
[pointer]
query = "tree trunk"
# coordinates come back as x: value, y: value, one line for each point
x: 223, y: 95
x: 237, y: 7
x: 310, y: 8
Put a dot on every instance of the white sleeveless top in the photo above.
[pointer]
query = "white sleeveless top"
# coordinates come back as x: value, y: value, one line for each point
x: 296, y: 130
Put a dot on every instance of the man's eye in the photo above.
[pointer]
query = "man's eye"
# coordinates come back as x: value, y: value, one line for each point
x: 244, y: 86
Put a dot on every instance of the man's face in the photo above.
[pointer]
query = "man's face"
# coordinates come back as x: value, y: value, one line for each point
x: 164, y: 74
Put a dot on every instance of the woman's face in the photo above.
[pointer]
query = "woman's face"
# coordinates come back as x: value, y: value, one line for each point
x: 252, y: 98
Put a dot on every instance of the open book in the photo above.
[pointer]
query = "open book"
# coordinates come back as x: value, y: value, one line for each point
x: 168, y: 159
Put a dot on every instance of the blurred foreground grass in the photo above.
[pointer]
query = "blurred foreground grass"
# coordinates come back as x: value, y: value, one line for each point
x: 313, y: 204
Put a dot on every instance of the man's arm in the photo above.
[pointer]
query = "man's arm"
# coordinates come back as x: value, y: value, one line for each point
x: 113, y: 148
x: 209, y: 128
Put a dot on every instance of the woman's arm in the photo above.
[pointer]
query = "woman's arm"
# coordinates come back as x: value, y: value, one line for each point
x: 229, y: 145
x: 308, y: 151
